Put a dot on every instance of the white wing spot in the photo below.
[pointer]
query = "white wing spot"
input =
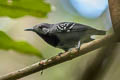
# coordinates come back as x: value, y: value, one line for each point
x: 64, y: 27
x: 71, y: 26
x: 68, y: 30
x: 59, y: 27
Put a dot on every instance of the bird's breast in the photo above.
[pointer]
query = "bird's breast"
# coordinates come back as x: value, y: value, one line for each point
x: 51, y: 39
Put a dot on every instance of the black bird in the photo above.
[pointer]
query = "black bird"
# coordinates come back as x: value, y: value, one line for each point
x: 65, y: 35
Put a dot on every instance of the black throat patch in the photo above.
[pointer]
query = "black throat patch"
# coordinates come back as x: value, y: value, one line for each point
x: 50, y: 39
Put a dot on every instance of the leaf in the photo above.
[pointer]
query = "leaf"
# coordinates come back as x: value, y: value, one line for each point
x: 19, y: 8
x: 27, y: 48
x: 7, y: 43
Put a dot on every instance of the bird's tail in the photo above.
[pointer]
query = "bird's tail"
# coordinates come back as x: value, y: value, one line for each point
x: 100, y: 32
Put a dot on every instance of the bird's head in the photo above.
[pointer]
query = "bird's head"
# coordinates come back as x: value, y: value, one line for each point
x: 42, y: 28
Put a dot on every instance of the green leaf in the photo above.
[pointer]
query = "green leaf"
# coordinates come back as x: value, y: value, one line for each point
x: 19, y: 8
x: 7, y: 43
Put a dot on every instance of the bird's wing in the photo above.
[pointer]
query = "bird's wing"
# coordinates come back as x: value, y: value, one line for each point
x: 70, y: 27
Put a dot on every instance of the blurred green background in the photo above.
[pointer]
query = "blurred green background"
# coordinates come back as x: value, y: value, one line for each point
x: 16, y: 15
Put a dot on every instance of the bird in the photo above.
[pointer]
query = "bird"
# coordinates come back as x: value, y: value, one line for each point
x: 65, y: 35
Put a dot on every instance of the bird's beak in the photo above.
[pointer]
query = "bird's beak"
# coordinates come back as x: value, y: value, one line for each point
x: 29, y: 29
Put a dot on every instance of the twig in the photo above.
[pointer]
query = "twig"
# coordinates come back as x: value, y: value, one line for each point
x: 44, y: 64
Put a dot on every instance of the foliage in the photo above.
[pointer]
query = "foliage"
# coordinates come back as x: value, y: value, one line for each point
x: 19, y: 8
x: 7, y: 43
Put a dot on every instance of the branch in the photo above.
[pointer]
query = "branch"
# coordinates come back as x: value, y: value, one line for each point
x: 114, y: 6
x: 44, y: 64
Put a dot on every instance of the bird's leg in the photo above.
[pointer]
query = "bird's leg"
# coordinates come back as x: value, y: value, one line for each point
x: 78, y: 46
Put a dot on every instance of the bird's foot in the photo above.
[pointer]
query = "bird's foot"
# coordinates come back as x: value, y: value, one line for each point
x: 70, y: 52
x: 77, y: 48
